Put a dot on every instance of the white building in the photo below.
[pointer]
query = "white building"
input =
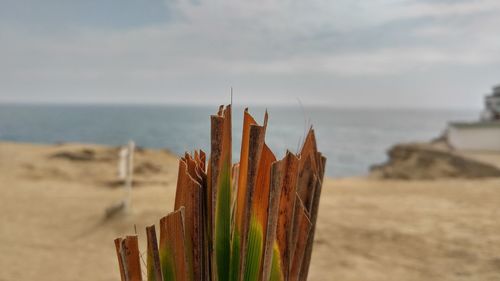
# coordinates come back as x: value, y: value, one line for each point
x: 475, y: 136
x: 482, y: 135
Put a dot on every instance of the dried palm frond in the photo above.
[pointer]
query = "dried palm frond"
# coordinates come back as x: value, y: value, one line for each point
x: 251, y: 221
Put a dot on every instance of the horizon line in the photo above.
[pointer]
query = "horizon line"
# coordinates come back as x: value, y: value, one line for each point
x: 185, y: 104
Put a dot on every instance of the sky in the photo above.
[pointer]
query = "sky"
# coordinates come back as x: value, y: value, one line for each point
x: 338, y: 53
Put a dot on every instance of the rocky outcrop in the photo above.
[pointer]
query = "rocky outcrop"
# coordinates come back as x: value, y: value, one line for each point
x: 428, y: 161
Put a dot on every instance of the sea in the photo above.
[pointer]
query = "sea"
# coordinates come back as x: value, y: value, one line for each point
x: 352, y: 139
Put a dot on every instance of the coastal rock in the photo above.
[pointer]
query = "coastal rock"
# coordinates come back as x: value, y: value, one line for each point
x: 431, y: 161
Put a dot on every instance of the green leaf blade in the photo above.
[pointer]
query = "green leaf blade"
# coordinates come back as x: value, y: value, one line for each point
x: 223, y: 224
x: 254, y: 253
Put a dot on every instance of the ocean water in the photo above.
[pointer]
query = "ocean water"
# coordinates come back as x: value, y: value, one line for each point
x: 351, y: 139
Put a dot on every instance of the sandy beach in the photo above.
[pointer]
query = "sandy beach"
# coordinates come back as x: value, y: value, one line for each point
x: 54, y: 197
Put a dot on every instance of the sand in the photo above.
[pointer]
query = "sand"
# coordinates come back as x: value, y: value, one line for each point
x: 53, y: 200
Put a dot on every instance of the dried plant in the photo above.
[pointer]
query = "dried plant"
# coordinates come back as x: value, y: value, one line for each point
x: 252, y: 221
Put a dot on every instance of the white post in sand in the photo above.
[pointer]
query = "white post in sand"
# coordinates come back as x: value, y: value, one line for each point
x: 122, y: 164
x: 129, y: 173
x: 126, y: 171
x: 125, y: 174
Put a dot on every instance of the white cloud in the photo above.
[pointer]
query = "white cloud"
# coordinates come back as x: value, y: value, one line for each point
x: 249, y: 39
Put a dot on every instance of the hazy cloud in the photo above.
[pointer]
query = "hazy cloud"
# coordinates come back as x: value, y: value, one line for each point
x: 405, y: 53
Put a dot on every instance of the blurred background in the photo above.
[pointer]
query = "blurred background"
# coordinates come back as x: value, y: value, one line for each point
x: 400, y: 93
